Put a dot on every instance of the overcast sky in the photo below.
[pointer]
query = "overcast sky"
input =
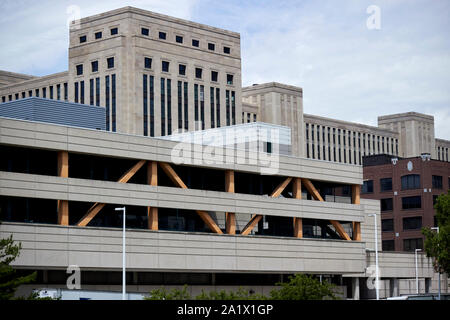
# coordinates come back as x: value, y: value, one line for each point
x: 347, y: 71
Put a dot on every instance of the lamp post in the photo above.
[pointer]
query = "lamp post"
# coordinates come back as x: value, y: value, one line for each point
x: 124, y: 283
x: 439, y: 271
x: 417, y: 272
x: 377, y: 289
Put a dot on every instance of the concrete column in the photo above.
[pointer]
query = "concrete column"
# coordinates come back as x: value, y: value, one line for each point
x: 355, y: 288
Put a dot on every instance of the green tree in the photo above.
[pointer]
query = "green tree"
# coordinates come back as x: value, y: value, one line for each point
x: 174, y: 294
x: 437, y: 245
x: 303, y: 287
x: 9, y: 279
x: 240, y: 294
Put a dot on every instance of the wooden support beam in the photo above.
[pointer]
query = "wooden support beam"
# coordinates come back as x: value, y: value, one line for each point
x: 256, y: 218
x: 63, y: 171
x: 230, y: 217
x: 356, y: 193
x: 297, y: 194
x: 312, y: 190
x: 152, y: 179
x: 316, y: 195
x: 357, y: 231
x: 251, y: 224
x: 92, y: 212
x: 167, y: 168
x: 340, y: 230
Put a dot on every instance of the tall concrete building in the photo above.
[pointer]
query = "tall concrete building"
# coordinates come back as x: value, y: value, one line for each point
x: 212, y: 224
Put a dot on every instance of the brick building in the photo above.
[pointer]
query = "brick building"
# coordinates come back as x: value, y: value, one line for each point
x: 407, y: 189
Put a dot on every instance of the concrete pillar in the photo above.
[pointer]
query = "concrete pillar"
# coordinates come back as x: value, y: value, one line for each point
x: 355, y: 288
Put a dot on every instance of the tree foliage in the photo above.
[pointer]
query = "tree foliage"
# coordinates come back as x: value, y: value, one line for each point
x: 240, y: 294
x: 437, y: 244
x: 9, y: 279
x: 303, y: 287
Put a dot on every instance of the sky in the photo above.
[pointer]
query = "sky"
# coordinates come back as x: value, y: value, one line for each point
x: 348, y: 69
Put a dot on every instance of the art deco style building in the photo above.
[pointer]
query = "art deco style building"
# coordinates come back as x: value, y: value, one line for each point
x: 210, y: 222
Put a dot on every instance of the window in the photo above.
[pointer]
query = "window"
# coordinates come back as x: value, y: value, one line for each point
x: 367, y: 186
x: 411, y: 181
x: 182, y: 69
x: 44, y: 93
x: 162, y: 35
x: 10, y: 96
x: 413, y: 223
x: 226, y: 50
x: 97, y: 92
x: 145, y: 31
x: 165, y: 66
x: 214, y: 76
x: 211, y: 46
x: 179, y: 39
x: 412, y: 244
x: 3, y: 99
x: 98, y: 35
x: 79, y: 69
x: 387, y: 225
x: 94, y: 65
x: 386, y: 184
x: 30, y: 93
x: 388, y: 245
x: 91, y: 92
x: 51, y: 93
x: 229, y: 79
x: 437, y: 182
x: 83, y: 39
x: 195, y: 43
x: 411, y: 202
x: 386, y: 204
x: 147, y: 63
x: 65, y: 91
x: 198, y: 73
x: 17, y: 96
x: 110, y: 62
x: 114, y: 31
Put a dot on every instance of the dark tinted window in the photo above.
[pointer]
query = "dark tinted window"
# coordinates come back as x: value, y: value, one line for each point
x: 229, y: 79
x: 98, y: 35
x: 145, y: 31
x: 94, y: 66
x: 412, y: 244
x: 437, y: 182
x: 79, y: 69
x: 195, y: 43
x: 367, y: 186
x: 211, y: 46
x: 162, y: 35
x: 388, y: 245
x: 386, y: 204
x: 110, y: 62
x: 148, y: 63
x: 198, y: 73
x: 114, y: 31
x: 83, y: 39
x: 179, y: 39
x: 226, y: 50
x: 411, y: 202
x: 165, y: 66
x: 412, y: 223
x: 411, y: 181
x: 214, y: 75
x: 386, y: 184
x: 182, y: 69
x: 387, y: 225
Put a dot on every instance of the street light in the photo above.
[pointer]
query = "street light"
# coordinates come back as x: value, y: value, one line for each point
x: 417, y: 273
x: 377, y: 289
x: 439, y: 269
x: 124, y: 283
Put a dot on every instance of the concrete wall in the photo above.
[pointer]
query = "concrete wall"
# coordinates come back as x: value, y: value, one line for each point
x: 56, y: 247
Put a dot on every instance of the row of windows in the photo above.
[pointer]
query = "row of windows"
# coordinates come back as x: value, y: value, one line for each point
x: 95, y: 95
x: 94, y: 66
x: 442, y: 153
x: 58, y: 92
x: 180, y: 39
x: 99, y: 35
x: 410, y: 223
x: 343, y: 140
x: 409, y: 182
x: 198, y: 72
x: 182, y: 106
x: 248, y: 117
x: 408, y: 244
